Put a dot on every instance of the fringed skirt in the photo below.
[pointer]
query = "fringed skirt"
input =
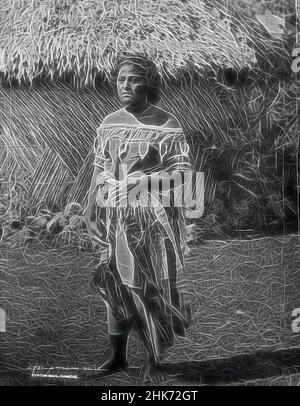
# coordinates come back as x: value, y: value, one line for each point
x: 142, y: 278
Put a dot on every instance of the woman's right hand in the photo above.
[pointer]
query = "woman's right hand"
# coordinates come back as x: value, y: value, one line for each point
x: 104, y: 176
x: 94, y: 231
x: 91, y: 226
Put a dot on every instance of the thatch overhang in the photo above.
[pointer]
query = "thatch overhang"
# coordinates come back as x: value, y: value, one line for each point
x: 43, y: 38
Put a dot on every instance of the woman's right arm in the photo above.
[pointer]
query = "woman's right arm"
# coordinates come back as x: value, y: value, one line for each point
x: 90, y: 212
x: 92, y: 208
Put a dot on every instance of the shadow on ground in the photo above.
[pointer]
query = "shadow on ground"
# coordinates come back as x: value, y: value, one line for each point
x: 235, y: 370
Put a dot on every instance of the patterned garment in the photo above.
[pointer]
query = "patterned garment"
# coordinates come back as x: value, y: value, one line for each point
x: 142, y: 275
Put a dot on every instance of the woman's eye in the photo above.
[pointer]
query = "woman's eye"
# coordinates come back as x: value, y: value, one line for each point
x: 132, y: 81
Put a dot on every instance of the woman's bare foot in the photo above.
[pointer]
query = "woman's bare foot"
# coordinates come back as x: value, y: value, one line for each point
x: 152, y: 371
x: 110, y: 367
x: 113, y: 365
x: 116, y: 363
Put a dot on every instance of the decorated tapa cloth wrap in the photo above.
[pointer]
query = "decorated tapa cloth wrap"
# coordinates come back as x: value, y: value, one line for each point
x: 141, y: 278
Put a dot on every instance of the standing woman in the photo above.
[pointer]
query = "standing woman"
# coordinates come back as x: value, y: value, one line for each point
x: 146, y: 240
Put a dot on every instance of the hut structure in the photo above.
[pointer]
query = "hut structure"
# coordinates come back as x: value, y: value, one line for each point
x: 227, y: 79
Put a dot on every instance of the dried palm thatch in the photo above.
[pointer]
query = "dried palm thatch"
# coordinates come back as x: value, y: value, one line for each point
x: 251, y: 8
x: 54, y: 142
x: 85, y: 38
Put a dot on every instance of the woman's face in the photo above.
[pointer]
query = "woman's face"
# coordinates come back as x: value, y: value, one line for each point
x: 131, y: 85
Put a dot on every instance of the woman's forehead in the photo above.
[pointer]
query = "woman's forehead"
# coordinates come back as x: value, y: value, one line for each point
x: 131, y: 68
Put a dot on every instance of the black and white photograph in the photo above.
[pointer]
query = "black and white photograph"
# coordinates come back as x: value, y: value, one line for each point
x: 149, y: 195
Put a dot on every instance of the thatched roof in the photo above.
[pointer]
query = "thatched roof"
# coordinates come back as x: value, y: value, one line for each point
x: 85, y: 37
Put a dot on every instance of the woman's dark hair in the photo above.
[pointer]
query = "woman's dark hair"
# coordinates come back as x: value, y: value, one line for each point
x: 149, y: 69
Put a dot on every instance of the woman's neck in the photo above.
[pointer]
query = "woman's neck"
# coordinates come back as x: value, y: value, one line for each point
x: 138, y: 110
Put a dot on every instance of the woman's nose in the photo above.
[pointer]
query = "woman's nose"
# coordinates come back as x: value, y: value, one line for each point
x: 126, y: 85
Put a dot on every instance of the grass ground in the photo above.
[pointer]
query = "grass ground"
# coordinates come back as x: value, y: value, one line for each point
x: 242, y: 293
